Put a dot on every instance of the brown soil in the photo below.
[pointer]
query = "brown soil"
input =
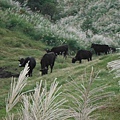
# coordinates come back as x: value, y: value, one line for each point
x: 4, y: 73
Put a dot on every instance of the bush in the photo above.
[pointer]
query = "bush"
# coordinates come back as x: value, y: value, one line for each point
x: 49, y: 9
x: 4, y: 4
x: 73, y: 45
x: 44, y: 6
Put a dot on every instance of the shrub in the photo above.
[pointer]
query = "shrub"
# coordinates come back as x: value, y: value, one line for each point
x: 44, y: 6
x: 73, y: 45
x: 4, y: 4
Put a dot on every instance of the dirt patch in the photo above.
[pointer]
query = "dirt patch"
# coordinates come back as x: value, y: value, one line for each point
x: 4, y: 73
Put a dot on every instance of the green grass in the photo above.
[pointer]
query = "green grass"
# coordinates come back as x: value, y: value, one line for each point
x: 15, y: 45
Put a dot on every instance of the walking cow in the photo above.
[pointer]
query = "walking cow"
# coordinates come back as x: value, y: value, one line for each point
x: 47, y: 60
x: 82, y: 54
x: 31, y: 64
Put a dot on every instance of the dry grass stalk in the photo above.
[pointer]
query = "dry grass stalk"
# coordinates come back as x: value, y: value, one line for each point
x: 114, y: 66
x: 37, y: 104
x: 87, y: 99
x: 9, y: 117
x: 43, y: 104
x: 16, y: 89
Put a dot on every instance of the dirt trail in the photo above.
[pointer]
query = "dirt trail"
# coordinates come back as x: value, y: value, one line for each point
x: 4, y: 73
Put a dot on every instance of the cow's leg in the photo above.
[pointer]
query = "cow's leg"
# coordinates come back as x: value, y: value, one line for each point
x: 30, y: 73
x: 90, y: 58
x: 65, y: 54
x: 46, y: 69
x: 51, y: 66
x: 98, y: 53
x: 106, y: 52
x: 80, y: 61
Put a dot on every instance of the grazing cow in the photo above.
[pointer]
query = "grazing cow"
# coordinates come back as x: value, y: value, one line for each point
x: 31, y: 64
x: 98, y: 48
x: 82, y: 54
x: 47, y: 60
x: 59, y: 50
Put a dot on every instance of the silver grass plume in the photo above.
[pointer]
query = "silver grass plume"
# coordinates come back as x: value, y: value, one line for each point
x: 87, y: 99
x: 114, y: 66
x: 16, y: 88
x: 43, y: 104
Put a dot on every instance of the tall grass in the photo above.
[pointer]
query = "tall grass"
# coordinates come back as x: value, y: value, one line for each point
x: 42, y: 103
x: 16, y: 89
x: 87, y: 98
x: 39, y: 103
x: 114, y: 66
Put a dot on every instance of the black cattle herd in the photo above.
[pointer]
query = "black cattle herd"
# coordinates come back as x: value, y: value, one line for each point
x: 49, y: 58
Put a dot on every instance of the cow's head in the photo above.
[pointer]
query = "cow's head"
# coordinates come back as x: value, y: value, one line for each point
x: 73, y: 60
x: 21, y: 62
x: 44, y: 71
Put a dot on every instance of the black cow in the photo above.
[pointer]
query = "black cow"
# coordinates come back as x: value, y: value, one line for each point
x: 82, y: 54
x: 47, y: 60
x: 98, y: 48
x: 31, y: 64
x: 59, y: 50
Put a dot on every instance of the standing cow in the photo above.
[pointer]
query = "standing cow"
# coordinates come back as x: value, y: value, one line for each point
x: 98, y: 48
x: 47, y: 60
x: 59, y: 50
x: 31, y: 64
x: 82, y: 54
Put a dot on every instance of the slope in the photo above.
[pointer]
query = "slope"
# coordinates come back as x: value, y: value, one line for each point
x: 16, y: 44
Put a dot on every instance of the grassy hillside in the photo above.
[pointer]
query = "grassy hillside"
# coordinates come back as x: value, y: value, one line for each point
x: 15, y: 45
x: 29, y: 34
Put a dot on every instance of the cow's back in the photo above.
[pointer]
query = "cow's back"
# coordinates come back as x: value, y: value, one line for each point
x: 47, y: 59
x: 100, y: 48
x: 83, y: 54
x: 58, y: 49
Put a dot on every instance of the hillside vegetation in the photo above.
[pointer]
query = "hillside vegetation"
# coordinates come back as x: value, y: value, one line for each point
x: 78, y: 23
